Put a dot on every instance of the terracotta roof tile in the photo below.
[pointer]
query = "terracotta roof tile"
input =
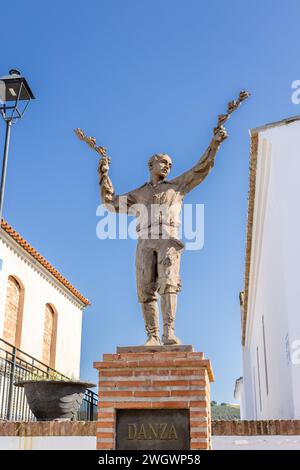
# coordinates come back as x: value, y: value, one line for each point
x: 35, y: 254
x: 251, y: 199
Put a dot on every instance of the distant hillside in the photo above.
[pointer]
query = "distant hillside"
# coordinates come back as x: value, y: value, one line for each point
x: 225, y: 411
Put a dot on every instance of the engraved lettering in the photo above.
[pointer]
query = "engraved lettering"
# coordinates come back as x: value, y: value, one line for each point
x: 152, y: 431
x: 163, y: 429
x: 172, y: 432
x: 132, y: 431
x: 153, y: 434
x: 142, y: 432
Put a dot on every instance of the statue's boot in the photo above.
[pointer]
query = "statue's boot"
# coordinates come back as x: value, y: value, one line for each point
x: 151, y: 316
x: 168, y: 306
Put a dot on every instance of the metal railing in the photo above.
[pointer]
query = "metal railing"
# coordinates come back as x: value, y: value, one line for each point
x: 16, y: 365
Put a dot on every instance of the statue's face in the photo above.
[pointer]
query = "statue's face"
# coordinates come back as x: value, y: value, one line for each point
x: 161, y: 166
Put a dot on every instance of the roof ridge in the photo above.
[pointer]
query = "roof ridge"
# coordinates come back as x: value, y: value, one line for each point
x: 270, y: 125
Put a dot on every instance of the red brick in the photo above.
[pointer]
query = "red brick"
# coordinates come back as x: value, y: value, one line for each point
x: 121, y: 373
x: 155, y: 372
x: 115, y: 393
x: 171, y: 404
x: 199, y: 355
x: 153, y: 364
x: 105, y: 404
x: 126, y: 383
x: 188, y: 393
x: 154, y: 393
x: 197, y: 434
x: 189, y: 372
x: 198, y: 424
x: 105, y: 435
x: 201, y: 383
x: 115, y: 365
x: 170, y: 383
x: 105, y: 424
x: 103, y: 415
x: 111, y: 357
x: 198, y: 414
x: 200, y: 404
x: 199, y: 445
x: 190, y: 363
x: 105, y: 445
x: 136, y: 356
x: 171, y: 355
x: 133, y: 405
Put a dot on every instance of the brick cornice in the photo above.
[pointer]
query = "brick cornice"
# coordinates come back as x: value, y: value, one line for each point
x: 186, y: 360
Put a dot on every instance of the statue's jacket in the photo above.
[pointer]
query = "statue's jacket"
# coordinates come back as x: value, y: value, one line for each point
x: 156, y: 206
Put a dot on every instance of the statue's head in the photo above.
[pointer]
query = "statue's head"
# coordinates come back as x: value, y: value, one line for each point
x: 160, y: 165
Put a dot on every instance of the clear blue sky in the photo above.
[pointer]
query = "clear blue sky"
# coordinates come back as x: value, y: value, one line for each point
x: 143, y: 77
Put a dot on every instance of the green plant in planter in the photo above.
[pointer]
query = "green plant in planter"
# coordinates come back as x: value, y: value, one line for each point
x: 52, y: 376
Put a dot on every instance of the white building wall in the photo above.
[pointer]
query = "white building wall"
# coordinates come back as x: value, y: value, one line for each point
x: 42, y: 288
x: 274, y: 278
x: 89, y: 443
x: 48, y: 443
x: 247, y: 407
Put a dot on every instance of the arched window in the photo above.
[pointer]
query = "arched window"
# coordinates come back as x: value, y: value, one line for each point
x: 13, y: 311
x: 49, y: 341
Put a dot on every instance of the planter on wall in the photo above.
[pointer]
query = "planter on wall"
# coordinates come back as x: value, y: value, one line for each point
x: 54, y: 399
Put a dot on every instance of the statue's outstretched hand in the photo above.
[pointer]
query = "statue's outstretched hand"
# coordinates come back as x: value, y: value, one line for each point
x: 220, y: 135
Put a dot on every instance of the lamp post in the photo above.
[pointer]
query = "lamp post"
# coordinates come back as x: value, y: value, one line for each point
x: 15, y: 96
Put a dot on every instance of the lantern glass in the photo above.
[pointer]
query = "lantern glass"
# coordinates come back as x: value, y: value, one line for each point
x: 15, y: 95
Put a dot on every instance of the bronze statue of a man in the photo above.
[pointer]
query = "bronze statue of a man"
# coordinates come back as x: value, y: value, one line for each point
x: 158, y: 256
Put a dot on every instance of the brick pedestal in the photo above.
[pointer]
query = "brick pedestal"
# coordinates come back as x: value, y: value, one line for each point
x: 177, y: 380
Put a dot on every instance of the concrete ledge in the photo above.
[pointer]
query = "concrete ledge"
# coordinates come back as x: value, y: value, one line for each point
x: 48, y: 428
x: 88, y: 428
x: 256, y: 428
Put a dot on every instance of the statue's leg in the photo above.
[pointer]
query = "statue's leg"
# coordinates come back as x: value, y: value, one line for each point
x: 168, y: 303
x: 146, y: 278
x: 169, y: 254
x: 151, y: 318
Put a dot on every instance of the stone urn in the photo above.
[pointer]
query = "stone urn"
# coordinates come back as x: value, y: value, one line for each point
x: 54, y: 399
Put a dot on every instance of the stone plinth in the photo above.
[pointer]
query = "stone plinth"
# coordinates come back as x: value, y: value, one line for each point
x: 166, y: 380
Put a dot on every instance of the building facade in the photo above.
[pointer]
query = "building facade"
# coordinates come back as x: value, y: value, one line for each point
x: 40, y: 311
x: 270, y: 303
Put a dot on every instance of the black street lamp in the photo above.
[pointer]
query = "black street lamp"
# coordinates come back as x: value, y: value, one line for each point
x: 15, y: 96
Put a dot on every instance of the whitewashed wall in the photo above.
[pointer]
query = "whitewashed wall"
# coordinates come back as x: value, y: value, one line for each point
x: 48, y: 443
x: 89, y: 443
x: 41, y: 288
x: 271, y: 379
x: 256, y: 442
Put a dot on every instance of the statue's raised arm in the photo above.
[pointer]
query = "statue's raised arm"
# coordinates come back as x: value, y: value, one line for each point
x: 112, y: 201
x: 191, y: 178
x: 107, y: 192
